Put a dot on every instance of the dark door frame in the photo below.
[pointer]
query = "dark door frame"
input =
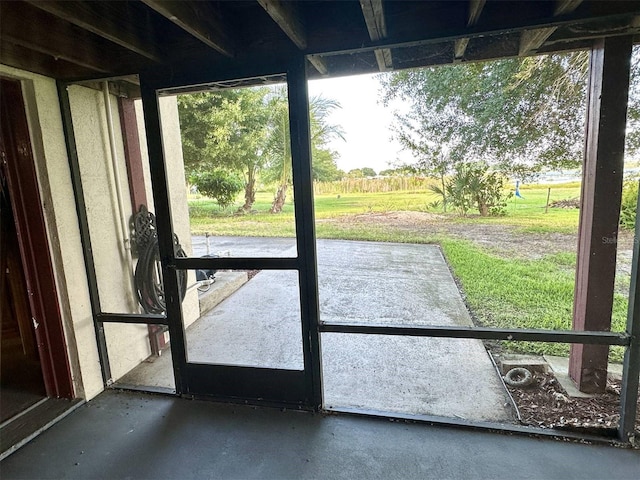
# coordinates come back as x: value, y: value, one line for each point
x: 263, y: 385
x: 17, y: 163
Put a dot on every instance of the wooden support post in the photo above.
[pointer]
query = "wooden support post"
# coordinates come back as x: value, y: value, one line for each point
x: 132, y: 153
x: 600, y: 210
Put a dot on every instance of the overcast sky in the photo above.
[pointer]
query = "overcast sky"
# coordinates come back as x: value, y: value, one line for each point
x: 366, y: 123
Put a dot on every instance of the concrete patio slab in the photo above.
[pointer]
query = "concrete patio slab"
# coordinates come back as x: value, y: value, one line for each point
x: 359, y: 282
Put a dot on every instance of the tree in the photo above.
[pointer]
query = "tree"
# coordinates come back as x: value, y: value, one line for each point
x: 278, y: 145
x: 474, y: 186
x: 220, y: 185
x: 226, y: 130
x: 368, y: 172
x: 519, y: 115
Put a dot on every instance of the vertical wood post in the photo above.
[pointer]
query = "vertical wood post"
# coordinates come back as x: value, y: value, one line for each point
x: 600, y: 206
x: 133, y: 155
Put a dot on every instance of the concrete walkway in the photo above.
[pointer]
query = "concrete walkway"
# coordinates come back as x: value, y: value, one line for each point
x: 359, y: 282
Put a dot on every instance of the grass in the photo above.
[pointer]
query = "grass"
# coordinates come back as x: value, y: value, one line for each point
x: 528, y: 294
x: 501, y: 292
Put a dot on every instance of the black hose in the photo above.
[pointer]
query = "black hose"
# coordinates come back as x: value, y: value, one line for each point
x: 148, y: 276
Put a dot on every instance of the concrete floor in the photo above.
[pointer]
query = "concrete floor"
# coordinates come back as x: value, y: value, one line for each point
x: 133, y: 435
x: 359, y: 282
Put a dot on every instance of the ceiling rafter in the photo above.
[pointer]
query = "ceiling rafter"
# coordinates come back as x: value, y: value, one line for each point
x: 62, y: 40
x: 373, y: 13
x: 288, y: 18
x: 199, y: 20
x: 475, y: 9
x: 532, y: 40
x: 105, y: 23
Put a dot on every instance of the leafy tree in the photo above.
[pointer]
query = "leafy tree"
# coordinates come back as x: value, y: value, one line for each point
x: 368, y: 172
x: 324, y: 167
x: 519, y: 114
x: 225, y: 129
x: 629, y: 203
x: 220, y: 185
x: 355, y: 173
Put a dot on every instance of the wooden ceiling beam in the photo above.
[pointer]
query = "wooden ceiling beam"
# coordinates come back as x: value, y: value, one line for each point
x: 373, y: 13
x: 61, y: 40
x: 23, y: 58
x: 532, y: 40
x: 199, y: 20
x: 288, y: 18
x: 475, y: 9
x: 118, y: 26
x: 566, y: 6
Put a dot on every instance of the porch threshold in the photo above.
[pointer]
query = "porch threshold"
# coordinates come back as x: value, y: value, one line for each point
x: 24, y: 427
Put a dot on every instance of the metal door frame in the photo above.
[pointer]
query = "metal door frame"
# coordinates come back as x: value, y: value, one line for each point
x: 293, y: 387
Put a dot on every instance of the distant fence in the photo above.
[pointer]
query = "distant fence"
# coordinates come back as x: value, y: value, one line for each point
x: 372, y: 185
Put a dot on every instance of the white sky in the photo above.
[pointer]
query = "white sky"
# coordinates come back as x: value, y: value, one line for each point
x: 366, y: 123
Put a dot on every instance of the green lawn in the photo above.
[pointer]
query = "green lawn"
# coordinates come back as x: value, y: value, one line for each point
x: 500, y: 291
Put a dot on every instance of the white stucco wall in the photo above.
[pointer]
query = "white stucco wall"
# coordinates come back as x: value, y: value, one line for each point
x: 127, y: 345
x: 52, y: 165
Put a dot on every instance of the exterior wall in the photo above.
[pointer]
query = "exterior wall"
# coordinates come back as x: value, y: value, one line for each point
x: 45, y: 123
x: 128, y: 345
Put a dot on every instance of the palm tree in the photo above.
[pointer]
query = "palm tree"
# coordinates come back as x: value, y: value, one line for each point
x: 279, y: 143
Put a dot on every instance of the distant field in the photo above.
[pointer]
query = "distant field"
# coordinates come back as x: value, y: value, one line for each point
x: 527, y: 213
x: 500, y: 289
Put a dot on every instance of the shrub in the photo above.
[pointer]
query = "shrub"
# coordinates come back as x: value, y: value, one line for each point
x: 474, y: 186
x: 220, y: 185
x: 628, y: 205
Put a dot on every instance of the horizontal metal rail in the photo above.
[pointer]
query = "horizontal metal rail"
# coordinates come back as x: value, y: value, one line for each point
x: 141, y: 318
x: 484, y: 333
x: 223, y: 263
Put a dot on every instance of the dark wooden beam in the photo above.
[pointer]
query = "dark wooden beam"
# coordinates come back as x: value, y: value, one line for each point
x: 373, y: 13
x: 288, y: 18
x: 59, y: 39
x: 20, y: 57
x: 120, y: 26
x: 600, y: 210
x: 475, y: 9
x: 132, y: 152
x: 532, y: 40
x: 198, y: 19
x: 459, y: 47
x: 319, y: 64
x: 566, y: 6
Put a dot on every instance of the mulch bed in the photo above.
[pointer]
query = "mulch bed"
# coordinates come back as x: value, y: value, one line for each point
x: 546, y: 404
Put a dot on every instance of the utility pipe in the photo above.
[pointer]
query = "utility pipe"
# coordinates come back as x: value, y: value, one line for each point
x: 124, y: 224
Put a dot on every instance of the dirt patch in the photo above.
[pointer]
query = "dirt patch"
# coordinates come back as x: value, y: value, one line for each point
x: 503, y: 240
x: 546, y: 404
